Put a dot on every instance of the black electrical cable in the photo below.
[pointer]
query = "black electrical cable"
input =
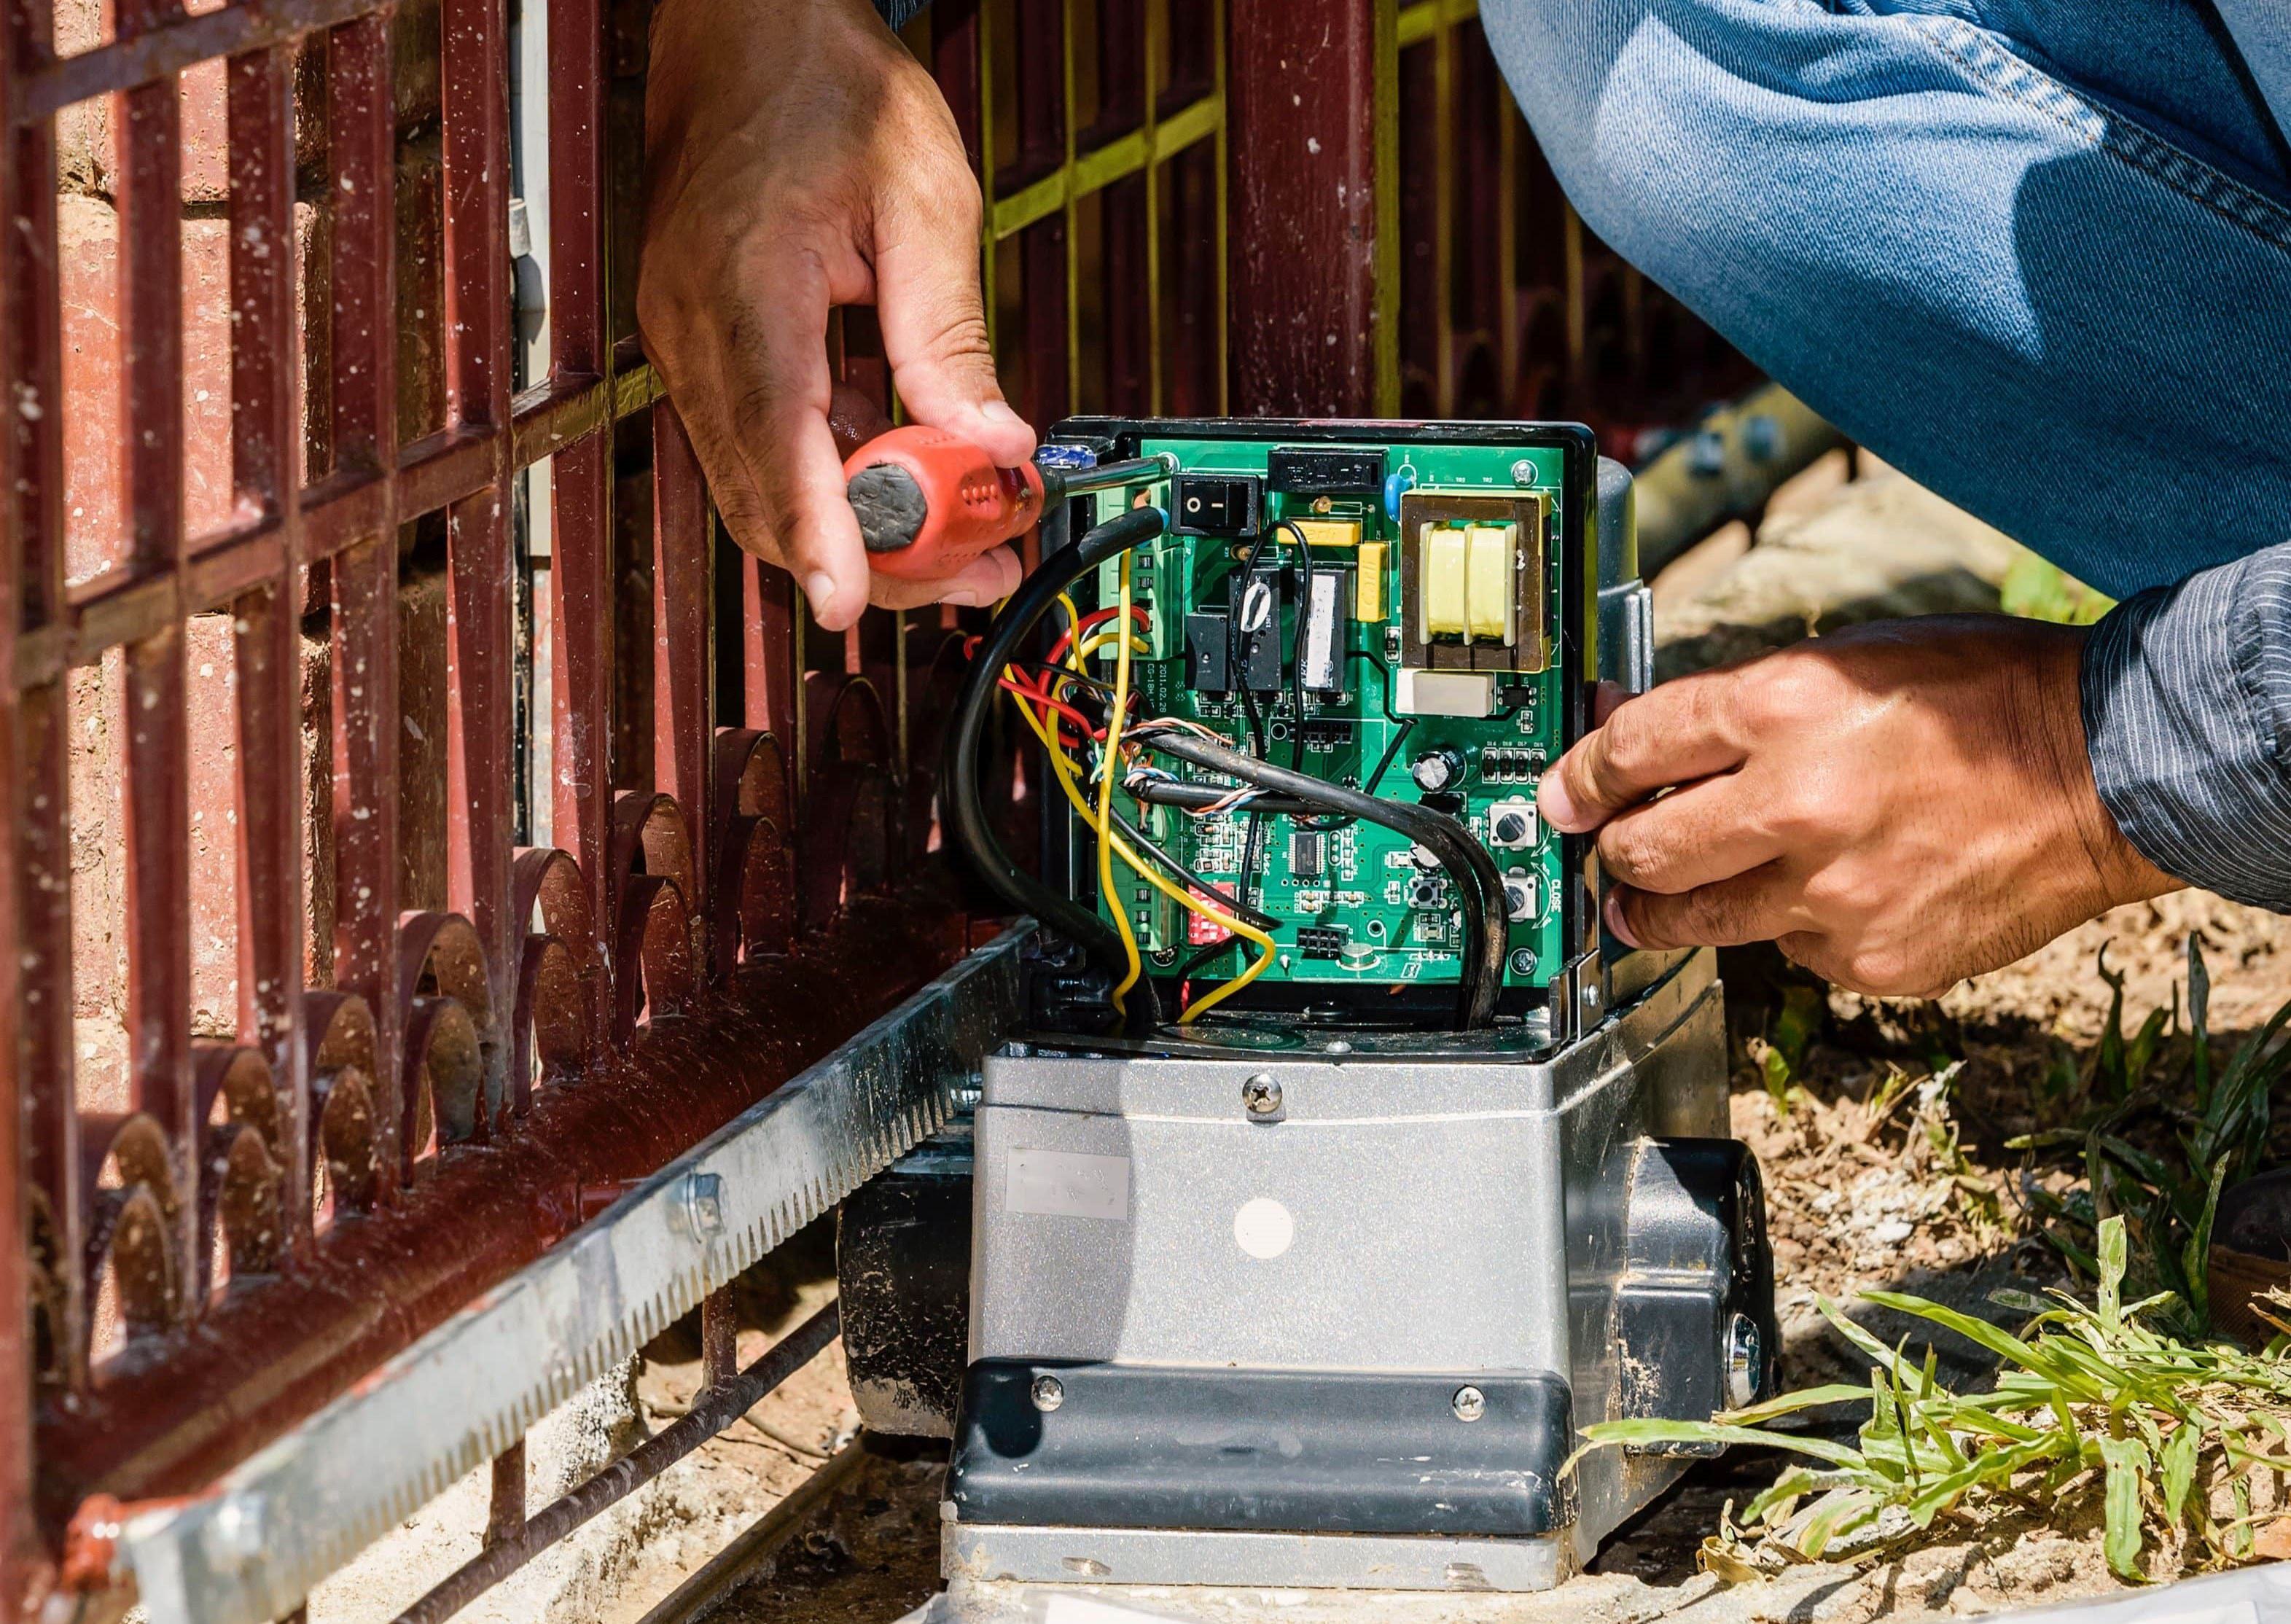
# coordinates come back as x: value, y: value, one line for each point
x: 1384, y: 761
x: 1407, y: 724
x: 1201, y: 797
x: 1479, y: 887
x: 1224, y: 898
x: 966, y: 812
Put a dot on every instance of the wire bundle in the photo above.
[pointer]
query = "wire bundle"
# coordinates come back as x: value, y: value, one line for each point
x: 1090, y: 758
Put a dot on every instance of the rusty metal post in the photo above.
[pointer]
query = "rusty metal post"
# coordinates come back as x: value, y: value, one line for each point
x: 153, y: 796
x: 266, y: 476
x: 505, y: 1505
x: 719, y: 1340
x: 362, y: 138
x: 1314, y: 269
x: 21, y: 1569
x: 40, y: 863
x: 481, y: 676
x: 684, y: 653
x: 580, y: 574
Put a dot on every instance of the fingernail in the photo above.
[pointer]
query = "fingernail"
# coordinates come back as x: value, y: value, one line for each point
x: 819, y: 586
x: 1613, y: 910
x: 963, y: 597
x: 1559, y: 808
x: 999, y: 411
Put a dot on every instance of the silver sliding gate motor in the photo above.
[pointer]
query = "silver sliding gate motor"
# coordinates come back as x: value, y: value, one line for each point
x: 1322, y: 1291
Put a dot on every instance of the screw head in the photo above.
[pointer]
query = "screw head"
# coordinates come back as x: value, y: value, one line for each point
x: 1261, y: 1095
x: 1337, y: 1047
x: 1743, y: 1361
x: 1590, y: 995
x: 1522, y: 472
x: 1469, y: 1404
x: 1523, y: 961
x: 1048, y: 1392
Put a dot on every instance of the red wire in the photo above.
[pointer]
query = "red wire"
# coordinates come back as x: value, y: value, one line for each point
x: 1039, y: 697
x: 1095, y: 617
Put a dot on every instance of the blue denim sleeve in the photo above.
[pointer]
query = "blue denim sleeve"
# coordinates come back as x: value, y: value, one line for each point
x: 2187, y: 711
x: 2017, y: 249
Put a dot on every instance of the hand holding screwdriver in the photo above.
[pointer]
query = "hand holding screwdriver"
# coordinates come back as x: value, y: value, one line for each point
x: 928, y: 501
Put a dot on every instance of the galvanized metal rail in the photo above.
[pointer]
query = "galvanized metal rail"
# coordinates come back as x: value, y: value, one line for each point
x: 251, y: 1550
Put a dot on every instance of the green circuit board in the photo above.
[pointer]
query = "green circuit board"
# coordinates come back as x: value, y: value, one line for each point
x: 1415, y: 657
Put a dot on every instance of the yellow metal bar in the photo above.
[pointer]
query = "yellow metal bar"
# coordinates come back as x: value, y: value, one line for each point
x: 1187, y: 125
x: 1418, y: 22
x: 1123, y: 156
x: 1014, y: 214
x: 1090, y: 172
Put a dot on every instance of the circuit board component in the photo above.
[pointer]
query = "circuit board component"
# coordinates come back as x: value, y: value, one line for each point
x: 1381, y: 616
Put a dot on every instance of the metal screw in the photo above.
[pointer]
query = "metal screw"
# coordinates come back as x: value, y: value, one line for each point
x: 1261, y: 1095
x: 1339, y: 1048
x: 1522, y: 472
x: 238, y: 1531
x: 1742, y: 1362
x: 1590, y: 995
x: 1469, y: 1404
x: 1048, y: 1392
x: 699, y: 1210
x: 1523, y: 961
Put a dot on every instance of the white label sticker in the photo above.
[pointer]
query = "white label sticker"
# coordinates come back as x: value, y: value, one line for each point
x: 1067, y: 1184
x: 1263, y: 1227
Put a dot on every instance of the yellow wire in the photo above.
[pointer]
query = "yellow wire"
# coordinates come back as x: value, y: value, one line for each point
x: 1101, y: 639
x: 1113, y: 901
x: 1100, y: 824
x: 1064, y: 767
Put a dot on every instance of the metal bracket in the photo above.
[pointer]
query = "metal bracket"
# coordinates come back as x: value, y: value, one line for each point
x: 251, y: 1549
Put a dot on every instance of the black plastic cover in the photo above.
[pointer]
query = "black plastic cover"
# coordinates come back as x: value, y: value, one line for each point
x: 1299, y: 1451
x: 903, y: 1276
x: 1326, y: 470
x: 1699, y: 1257
x: 1208, y: 653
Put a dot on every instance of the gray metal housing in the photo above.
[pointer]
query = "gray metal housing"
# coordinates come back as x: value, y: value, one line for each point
x: 1344, y: 1204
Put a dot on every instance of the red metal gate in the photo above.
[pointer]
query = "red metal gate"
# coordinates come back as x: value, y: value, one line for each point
x: 311, y: 1044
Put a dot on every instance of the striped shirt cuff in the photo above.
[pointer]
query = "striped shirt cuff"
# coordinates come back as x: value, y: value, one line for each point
x: 2187, y: 711
x: 898, y: 14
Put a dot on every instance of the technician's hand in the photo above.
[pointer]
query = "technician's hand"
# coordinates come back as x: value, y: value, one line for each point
x: 802, y: 159
x: 1897, y: 806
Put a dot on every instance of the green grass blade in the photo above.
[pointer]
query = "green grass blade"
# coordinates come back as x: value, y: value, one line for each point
x: 1791, y: 1404
x: 2180, y: 1452
x: 1650, y: 1430
x: 2003, y: 1343
x: 2128, y: 1464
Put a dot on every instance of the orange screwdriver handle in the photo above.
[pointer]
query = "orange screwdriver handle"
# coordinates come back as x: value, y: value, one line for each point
x: 928, y: 503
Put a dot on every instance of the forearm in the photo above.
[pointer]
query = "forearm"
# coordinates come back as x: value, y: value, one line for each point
x: 2187, y: 704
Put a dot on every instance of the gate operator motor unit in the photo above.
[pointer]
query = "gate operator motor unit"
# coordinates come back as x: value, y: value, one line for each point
x: 1347, y: 1172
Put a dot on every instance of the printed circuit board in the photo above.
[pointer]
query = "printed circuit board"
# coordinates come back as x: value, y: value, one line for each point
x: 1384, y: 613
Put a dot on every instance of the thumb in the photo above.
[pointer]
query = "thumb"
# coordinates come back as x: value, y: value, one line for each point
x: 933, y: 325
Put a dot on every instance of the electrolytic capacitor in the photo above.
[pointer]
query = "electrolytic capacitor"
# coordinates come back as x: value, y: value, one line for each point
x: 1438, y: 770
